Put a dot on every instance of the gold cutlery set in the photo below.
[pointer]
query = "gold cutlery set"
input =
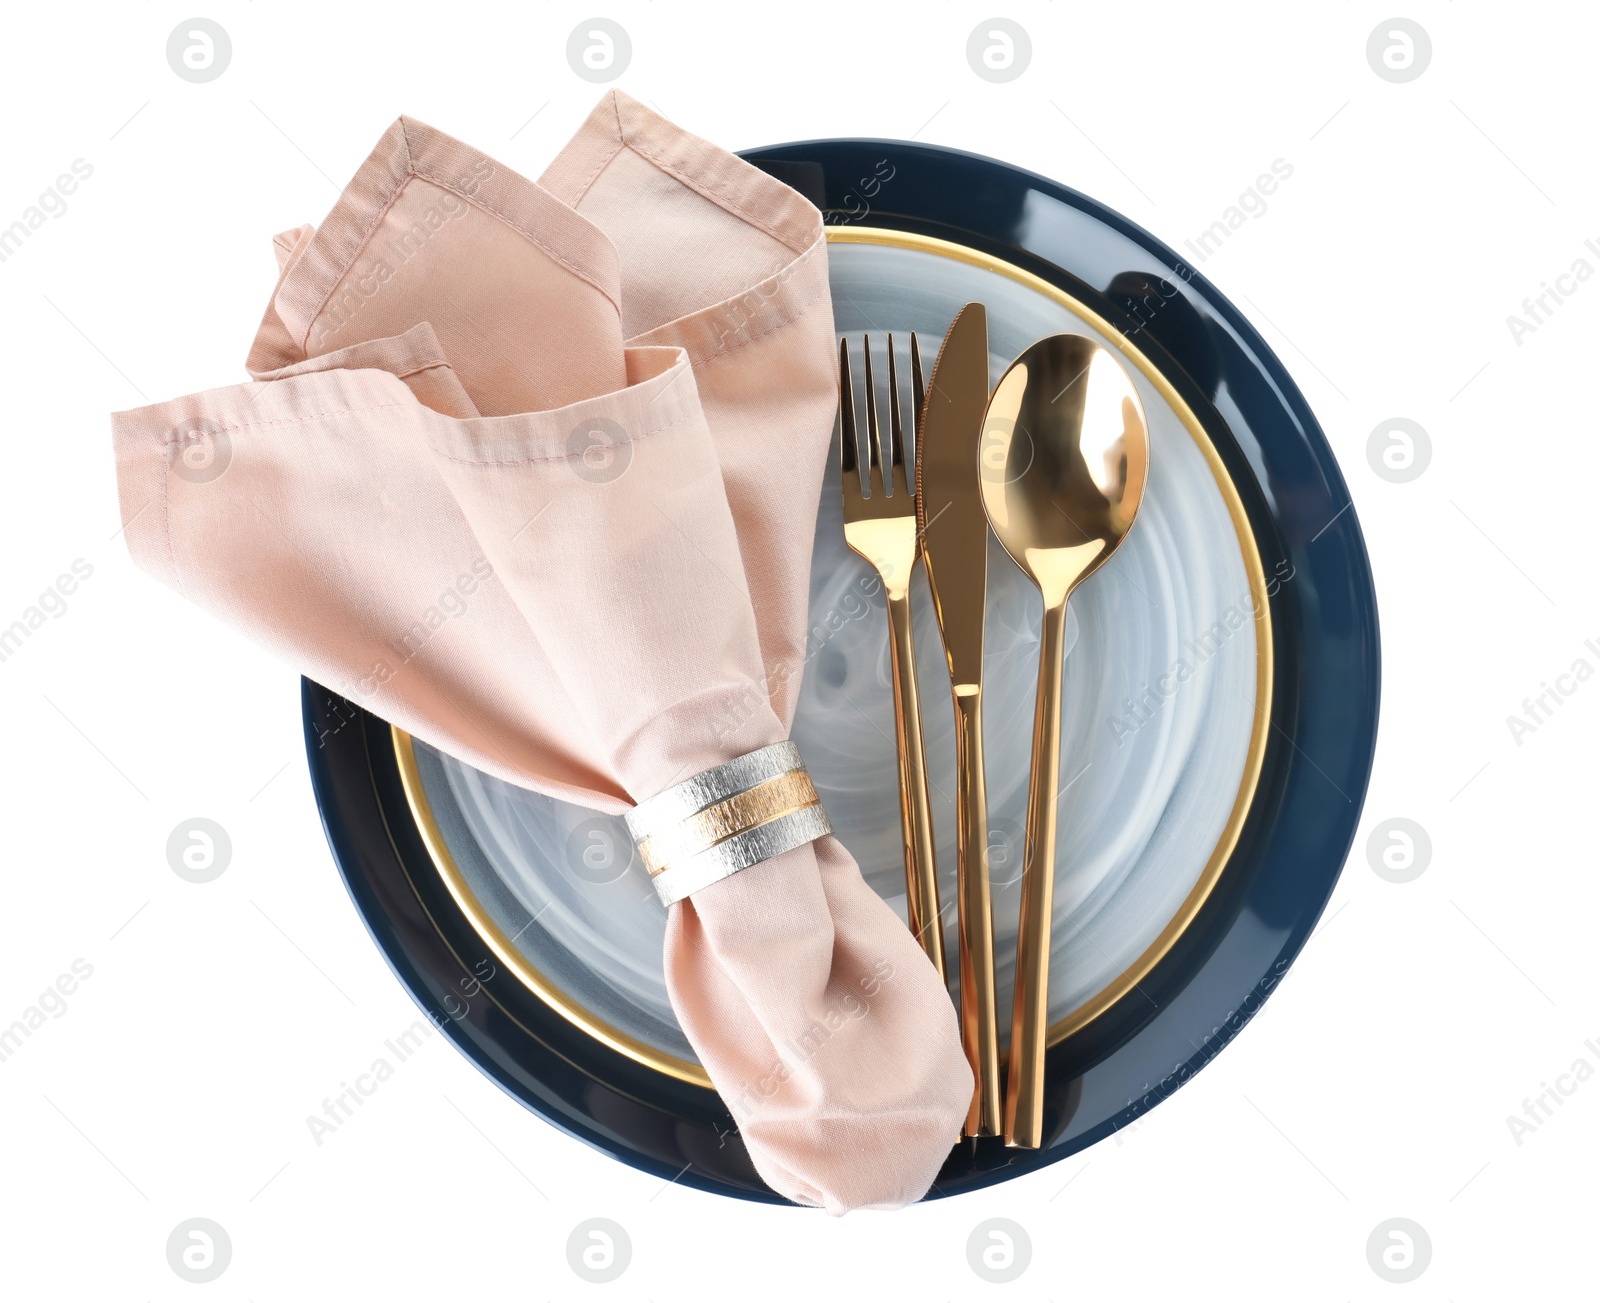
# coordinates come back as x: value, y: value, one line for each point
x: 1055, y: 460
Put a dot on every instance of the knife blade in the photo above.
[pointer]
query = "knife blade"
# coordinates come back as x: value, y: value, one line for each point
x: 950, y: 517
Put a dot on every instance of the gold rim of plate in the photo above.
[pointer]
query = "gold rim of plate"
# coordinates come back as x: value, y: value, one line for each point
x: 683, y: 1069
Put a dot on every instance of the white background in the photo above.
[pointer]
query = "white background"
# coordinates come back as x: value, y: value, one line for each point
x: 1377, y: 1081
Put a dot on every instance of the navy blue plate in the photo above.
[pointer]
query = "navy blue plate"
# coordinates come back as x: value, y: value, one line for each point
x: 1295, y: 838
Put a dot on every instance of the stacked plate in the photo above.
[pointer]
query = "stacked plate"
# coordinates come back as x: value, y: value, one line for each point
x: 1219, y: 716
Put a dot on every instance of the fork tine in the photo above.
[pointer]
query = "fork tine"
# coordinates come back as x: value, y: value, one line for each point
x: 895, y: 454
x: 849, y: 466
x: 916, y: 386
x: 874, y: 437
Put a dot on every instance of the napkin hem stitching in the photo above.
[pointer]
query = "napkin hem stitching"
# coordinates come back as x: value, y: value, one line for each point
x: 700, y: 149
x: 171, y: 441
x: 588, y: 182
x: 788, y: 319
x: 387, y: 199
x: 423, y: 171
x: 521, y: 230
x: 420, y: 367
x: 166, y: 523
x: 722, y: 200
x: 564, y: 456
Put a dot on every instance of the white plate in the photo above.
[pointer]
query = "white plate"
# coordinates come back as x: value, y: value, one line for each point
x: 1158, y: 733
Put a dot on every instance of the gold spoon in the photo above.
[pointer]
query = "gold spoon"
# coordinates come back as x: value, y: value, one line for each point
x: 1062, y: 467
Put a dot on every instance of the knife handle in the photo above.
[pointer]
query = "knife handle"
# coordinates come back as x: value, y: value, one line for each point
x: 979, y: 1034
x: 916, y: 818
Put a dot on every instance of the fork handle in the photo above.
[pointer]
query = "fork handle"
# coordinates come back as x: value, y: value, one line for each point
x: 916, y: 818
x: 979, y: 1033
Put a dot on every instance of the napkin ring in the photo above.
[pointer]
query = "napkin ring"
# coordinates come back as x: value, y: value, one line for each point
x: 709, y: 827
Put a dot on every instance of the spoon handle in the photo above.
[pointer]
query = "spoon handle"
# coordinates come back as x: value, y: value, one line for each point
x: 1030, y: 1016
x: 979, y: 1030
x: 916, y: 817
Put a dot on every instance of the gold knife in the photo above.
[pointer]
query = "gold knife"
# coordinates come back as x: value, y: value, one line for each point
x: 955, y: 551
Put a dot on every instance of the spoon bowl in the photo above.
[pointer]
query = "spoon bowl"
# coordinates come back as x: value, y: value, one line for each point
x: 1062, y: 468
x: 1064, y: 460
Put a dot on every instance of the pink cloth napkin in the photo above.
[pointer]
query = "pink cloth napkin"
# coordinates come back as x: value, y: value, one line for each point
x: 531, y: 470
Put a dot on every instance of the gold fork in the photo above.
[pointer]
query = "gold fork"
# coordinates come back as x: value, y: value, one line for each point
x: 881, y: 526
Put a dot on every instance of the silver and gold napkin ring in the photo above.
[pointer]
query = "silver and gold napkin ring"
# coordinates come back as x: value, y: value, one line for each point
x: 711, y: 826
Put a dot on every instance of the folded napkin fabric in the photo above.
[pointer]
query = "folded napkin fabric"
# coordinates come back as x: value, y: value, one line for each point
x: 595, y: 411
